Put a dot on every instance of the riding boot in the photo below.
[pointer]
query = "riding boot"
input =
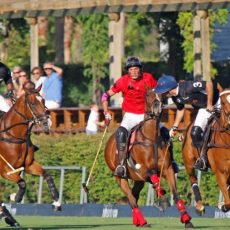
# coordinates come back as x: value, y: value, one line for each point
x: 121, y: 138
x: 197, y: 135
x: 165, y: 135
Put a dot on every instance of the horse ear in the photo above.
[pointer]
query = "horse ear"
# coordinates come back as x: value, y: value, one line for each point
x: 38, y: 88
x: 219, y: 87
x: 28, y: 86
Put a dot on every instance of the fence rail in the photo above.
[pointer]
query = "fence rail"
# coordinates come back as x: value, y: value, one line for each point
x: 74, y: 119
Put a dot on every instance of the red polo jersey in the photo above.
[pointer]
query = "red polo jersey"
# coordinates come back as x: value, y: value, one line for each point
x: 134, y: 91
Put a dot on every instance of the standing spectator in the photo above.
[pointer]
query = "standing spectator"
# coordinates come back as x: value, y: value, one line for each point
x: 38, y: 77
x: 93, y: 120
x: 52, y: 90
x: 23, y: 78
x: 15, y: 76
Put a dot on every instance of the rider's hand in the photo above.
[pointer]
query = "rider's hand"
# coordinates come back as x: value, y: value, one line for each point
x: 210, y: 108
x: 173, y: 131
x: 108, y: 118
x: 9, y: 94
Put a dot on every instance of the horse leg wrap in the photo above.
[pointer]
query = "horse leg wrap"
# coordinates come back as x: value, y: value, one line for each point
x: 196, y: 192
x: 138, y: 218
x: 21, y: 191
x: 52, y: 186
x: 5, y: 214
x: 224, y: 208
x: 185, y: 218
x: 156, y: 185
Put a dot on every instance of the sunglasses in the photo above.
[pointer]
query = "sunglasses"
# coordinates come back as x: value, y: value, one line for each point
x: 22, y: 75
x: 47, y: 68
x: 35, y: 73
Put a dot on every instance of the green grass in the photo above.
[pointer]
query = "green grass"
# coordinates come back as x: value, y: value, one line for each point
x: 98, y: 223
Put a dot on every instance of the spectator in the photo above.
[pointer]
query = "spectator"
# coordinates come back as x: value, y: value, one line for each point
x: 52, y: 90
x: 23, y: 78
x: 38, y: 77
x: 15, y: 76
x: 93, y: 120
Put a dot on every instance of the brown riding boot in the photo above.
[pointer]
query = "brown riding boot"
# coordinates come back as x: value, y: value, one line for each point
x: 121, y: 169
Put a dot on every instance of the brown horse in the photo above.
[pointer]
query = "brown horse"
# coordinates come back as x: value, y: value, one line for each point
x: 16, y: 149
x: 218, y: 145
x: 147, y: 159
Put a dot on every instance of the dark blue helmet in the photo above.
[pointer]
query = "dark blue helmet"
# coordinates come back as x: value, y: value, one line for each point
x: 132, y: 61
x: 165, y: 84
x: 4, y: 71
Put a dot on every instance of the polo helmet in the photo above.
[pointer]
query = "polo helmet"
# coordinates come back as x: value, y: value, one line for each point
x: 133, y: 61
x: 4, y: 71
x: 165, y: 84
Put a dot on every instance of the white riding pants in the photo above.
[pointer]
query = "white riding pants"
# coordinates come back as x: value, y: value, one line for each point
x: 130, y: 120
x: 203, y: 116
x: 4, y: 106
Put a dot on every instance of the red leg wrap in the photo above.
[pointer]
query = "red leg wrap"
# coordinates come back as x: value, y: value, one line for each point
x: 138, y: 218
x: 156, y: 181
x: 184, y: 215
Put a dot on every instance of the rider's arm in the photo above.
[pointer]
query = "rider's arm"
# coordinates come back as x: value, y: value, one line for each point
x: 179, y: 116
x: 58, y: 70
x: 209, y: 91
x: 104, y: 99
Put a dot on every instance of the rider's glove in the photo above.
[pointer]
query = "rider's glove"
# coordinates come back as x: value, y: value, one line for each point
x: 108, y: 118
x: 9, y: 94
x: 173, y: 131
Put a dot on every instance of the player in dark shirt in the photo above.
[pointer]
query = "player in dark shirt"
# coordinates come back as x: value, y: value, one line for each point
x: 202, y: 95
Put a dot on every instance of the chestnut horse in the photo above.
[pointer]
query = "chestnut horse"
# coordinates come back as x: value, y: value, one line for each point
x: 218, y: 147
x: 16, y: 149
x: 148, y: 160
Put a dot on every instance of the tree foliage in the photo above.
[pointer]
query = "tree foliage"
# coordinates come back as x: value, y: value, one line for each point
x: 185, y: 21
x: 95, y: 51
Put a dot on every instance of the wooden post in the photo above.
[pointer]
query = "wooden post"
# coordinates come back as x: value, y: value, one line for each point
x: 34, y: 48
x: 116, y: 51
x: 205, y: 41
x: 202, y: 60
x: 197, y: 73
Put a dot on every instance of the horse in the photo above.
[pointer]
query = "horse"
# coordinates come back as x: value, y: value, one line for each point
x: 217, y: 147
x: 16, y: 149
x: 148, y: 160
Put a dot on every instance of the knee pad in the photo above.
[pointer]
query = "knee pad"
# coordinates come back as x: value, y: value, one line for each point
x: 197, y: 136
x: 121, y: 135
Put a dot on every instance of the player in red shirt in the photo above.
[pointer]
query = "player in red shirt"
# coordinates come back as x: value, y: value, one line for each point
x: 132, y: 86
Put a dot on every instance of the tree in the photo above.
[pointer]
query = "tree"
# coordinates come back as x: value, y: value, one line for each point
x: 185, y: 21
x: 95, y: 51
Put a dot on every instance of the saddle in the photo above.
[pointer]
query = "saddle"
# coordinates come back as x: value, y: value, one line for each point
x: 207, y: 132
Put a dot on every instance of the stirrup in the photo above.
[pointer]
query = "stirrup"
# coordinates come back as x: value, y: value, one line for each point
x: 201, y: 165
x: 120, y: 171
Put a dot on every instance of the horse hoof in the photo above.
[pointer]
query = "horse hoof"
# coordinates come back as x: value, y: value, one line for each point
x: 56, y: 206
x: 164, y: 203
x: 188, y: 225
x: 201, y: 211
x: 12, y: 197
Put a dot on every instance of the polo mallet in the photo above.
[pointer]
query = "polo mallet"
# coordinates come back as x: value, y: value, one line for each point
x: 11, y: 167
x: 85, y: 185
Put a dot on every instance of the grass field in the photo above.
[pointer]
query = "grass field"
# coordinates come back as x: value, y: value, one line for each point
x: 97, y: 223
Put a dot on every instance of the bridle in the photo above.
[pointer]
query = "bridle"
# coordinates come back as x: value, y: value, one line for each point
x: 36, y: 118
